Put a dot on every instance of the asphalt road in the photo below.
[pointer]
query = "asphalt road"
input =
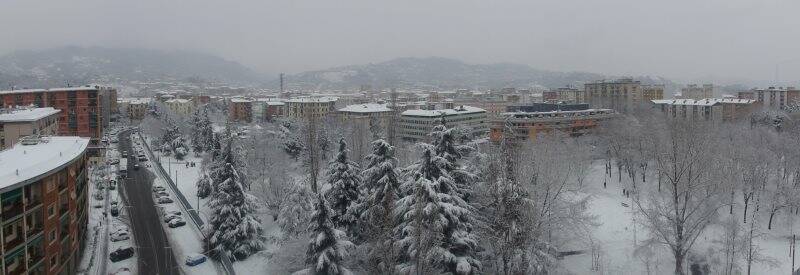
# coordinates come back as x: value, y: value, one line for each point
x: 153, y: 250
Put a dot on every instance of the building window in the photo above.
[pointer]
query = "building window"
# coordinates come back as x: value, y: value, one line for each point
x: 53, y: 261
x: 52, y: 236
x: 51, y: 211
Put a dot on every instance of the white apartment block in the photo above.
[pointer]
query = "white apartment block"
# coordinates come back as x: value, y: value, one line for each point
x: 416, y: 125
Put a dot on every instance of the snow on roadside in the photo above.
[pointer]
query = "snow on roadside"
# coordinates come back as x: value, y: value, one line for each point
x: 184, y: 240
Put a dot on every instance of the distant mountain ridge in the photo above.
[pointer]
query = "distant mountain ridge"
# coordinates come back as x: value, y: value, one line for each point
x: 79, y: 65
x: 436, y: 72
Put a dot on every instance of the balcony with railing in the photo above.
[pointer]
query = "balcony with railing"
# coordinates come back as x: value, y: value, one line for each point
x: 34, y: 222
x: 64, y: 227
x: 13, y: 234
x: 12, y: 203
x: 15, y: 262
x: 65, y: 250
x: 33, y: 196
x: 35, y: 253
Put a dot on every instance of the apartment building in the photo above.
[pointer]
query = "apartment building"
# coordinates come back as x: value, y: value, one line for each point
x: 416, y: 125
x: 529, y: 125
x: 364, y: 113
x: 17, y: 123
x: 44, y: 205
x: 134, y: 108
x: 621, y: 94
x: 303, y: 107
x: 693, y: 91
x: 564, y: 94
x: 81, y: 109
x: 772, y: 97
x: 240, y: 110
x: 709, y: 109
x: 179, y: 106
x: 267, y: 108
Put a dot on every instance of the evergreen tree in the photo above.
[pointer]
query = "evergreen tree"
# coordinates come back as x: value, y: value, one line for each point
x: 232, y: 229
x: 328, y: 246
x: 435, y: 222
x: 202, y: 131
x: 375, y: 208
x: 204, y: 186
x: 344, y: 181
x: 444, y: 141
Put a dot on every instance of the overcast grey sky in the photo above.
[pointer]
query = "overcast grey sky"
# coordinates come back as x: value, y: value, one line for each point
x: 683, y: 39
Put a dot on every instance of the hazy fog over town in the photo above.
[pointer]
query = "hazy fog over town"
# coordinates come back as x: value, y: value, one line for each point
x: 399, y: 137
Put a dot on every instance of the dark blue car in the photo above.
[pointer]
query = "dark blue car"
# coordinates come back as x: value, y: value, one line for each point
x: 195, y: 259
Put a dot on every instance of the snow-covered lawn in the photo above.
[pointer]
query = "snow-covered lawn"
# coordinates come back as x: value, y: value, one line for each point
x: 618, y: 235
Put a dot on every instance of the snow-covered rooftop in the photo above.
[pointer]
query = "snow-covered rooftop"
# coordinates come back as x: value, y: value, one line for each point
x: 461, y: 110
x: 240, y: 100
x: 84, y: 88
x: 178, y: 100
x: 366, y: 108
x: 703, y: 102
x: 142, y: 100
x: 312, y: 99
x: 24, y: 163
x: 26, y: 115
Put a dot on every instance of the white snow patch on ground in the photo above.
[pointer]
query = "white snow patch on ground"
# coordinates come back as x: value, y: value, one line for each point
x: 617, y: 237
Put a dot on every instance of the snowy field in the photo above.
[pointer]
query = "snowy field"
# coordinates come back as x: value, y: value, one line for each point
x: 618, y: 235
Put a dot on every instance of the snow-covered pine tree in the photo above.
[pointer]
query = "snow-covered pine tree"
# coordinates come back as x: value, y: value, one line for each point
x: 446, y: 146
x: 232, y: 229
x: 202, y: 132
x: 344, y: 181
x: 381, y: 189
x: 197, y: 144
x: 435, y: 223
x: 509, y: 236
x: 328, y: 246
x: 204, y: 186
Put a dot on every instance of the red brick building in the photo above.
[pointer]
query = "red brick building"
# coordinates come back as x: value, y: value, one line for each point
x: 240, y: 110
x: 82, y: 108
x: 44, y: 210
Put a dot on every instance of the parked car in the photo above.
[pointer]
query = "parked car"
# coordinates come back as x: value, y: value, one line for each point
x: 98, y: 196
x: 121, y: 254
x: 142, y: 158
x: 113, y: 161
x: 136, y: 167
x: 124, y: 154
x: 168, y: 217
x: 173, y: 212
x: 163, y: 200
x: 176, y: 223
x: 157, y: 188
x: 195, y: 259
x: 119, y: 236
x: 114, y: 211
x: 162, y: 193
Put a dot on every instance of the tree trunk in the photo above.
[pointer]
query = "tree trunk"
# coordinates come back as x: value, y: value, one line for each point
x: 679, y: 263
x: 771, y: 214
x: 745, y: 211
